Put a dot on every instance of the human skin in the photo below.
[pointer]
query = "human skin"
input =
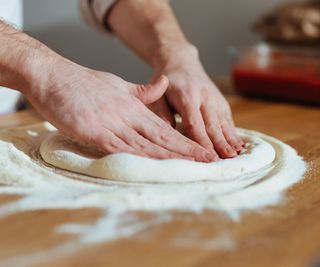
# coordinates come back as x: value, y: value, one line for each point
x: 150, y: 28
x: 93, y: 106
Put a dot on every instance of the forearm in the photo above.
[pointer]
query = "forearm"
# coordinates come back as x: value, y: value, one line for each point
x: 150, y: 28
x: 24, y: 61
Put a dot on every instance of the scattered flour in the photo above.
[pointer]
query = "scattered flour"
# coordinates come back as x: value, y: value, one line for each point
x: 42, y: 187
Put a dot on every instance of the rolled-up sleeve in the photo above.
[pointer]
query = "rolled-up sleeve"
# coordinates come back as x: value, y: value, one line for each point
x: 94, y: 11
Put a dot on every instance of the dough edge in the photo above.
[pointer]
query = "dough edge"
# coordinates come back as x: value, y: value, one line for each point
x: 58, y: 151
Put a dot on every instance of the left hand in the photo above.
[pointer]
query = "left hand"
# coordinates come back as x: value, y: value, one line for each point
x: 205, y: 113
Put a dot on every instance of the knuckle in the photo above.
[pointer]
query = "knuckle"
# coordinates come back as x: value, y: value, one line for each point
x: 207, y: 144
x: 142, y: 143
x: 113, y: 145
x: 221, y: 143
x: 184, y: 105
x: 232, y: 141
x: 219, y: 139
x: 192, y: 94
x: 162, y: 154
x: 191, y: 125
x: 194, y: 150
x: 224, y: 125
x: 169, y: 154
x: 192, y: 99
x: 96, y: 138
x: 166, y: 134
x: 141, y: 89
x: 231, y: 138
x: 212, y: 128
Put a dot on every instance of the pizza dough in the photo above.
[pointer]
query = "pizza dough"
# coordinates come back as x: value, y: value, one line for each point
x: 65, y: 153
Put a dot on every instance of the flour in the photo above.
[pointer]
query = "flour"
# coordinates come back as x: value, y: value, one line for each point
x: 43, y: 187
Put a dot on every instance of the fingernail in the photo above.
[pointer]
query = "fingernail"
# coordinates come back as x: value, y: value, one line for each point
x: 237, y: 148
x: 231, y: 152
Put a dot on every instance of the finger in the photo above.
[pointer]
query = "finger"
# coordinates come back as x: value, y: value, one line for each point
x: 230, y: 135
x: 150, y: 93
x: 139, y: 143
x: 109, y: 143
x: 215, y: 133
x: 195, y: 128
x: 162, y: 134
x: 233, y: 129
x: 162, y: 109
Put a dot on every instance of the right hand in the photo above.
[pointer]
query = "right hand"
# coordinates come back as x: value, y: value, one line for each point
x: 103, y: 109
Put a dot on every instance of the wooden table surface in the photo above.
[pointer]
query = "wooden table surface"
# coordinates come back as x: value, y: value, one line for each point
x: 286, y: 235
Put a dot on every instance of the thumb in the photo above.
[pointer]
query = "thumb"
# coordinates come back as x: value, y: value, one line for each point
x: 150, y: 93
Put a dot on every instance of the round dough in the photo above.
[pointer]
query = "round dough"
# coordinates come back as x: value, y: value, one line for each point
x: 65, y: 153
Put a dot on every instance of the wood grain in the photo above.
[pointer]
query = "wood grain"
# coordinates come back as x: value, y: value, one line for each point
x: 285, y: 235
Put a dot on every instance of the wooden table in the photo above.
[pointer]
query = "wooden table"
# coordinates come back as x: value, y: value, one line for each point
x: 287, y: 235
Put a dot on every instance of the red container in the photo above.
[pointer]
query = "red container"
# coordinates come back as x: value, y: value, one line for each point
x: 278, y: 73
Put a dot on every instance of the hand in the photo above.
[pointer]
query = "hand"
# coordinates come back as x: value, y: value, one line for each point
x: 205, y: 113
x: 103, y: 109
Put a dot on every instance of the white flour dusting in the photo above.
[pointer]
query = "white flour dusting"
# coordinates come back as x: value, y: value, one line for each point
x: 42, y: 187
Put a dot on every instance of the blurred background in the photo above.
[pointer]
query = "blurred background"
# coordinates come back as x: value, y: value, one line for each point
x: 212, y: 25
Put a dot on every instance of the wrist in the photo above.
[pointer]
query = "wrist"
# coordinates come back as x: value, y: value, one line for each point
x: 39, y: 68
x: 173, y: 56
x: 24, y: 61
